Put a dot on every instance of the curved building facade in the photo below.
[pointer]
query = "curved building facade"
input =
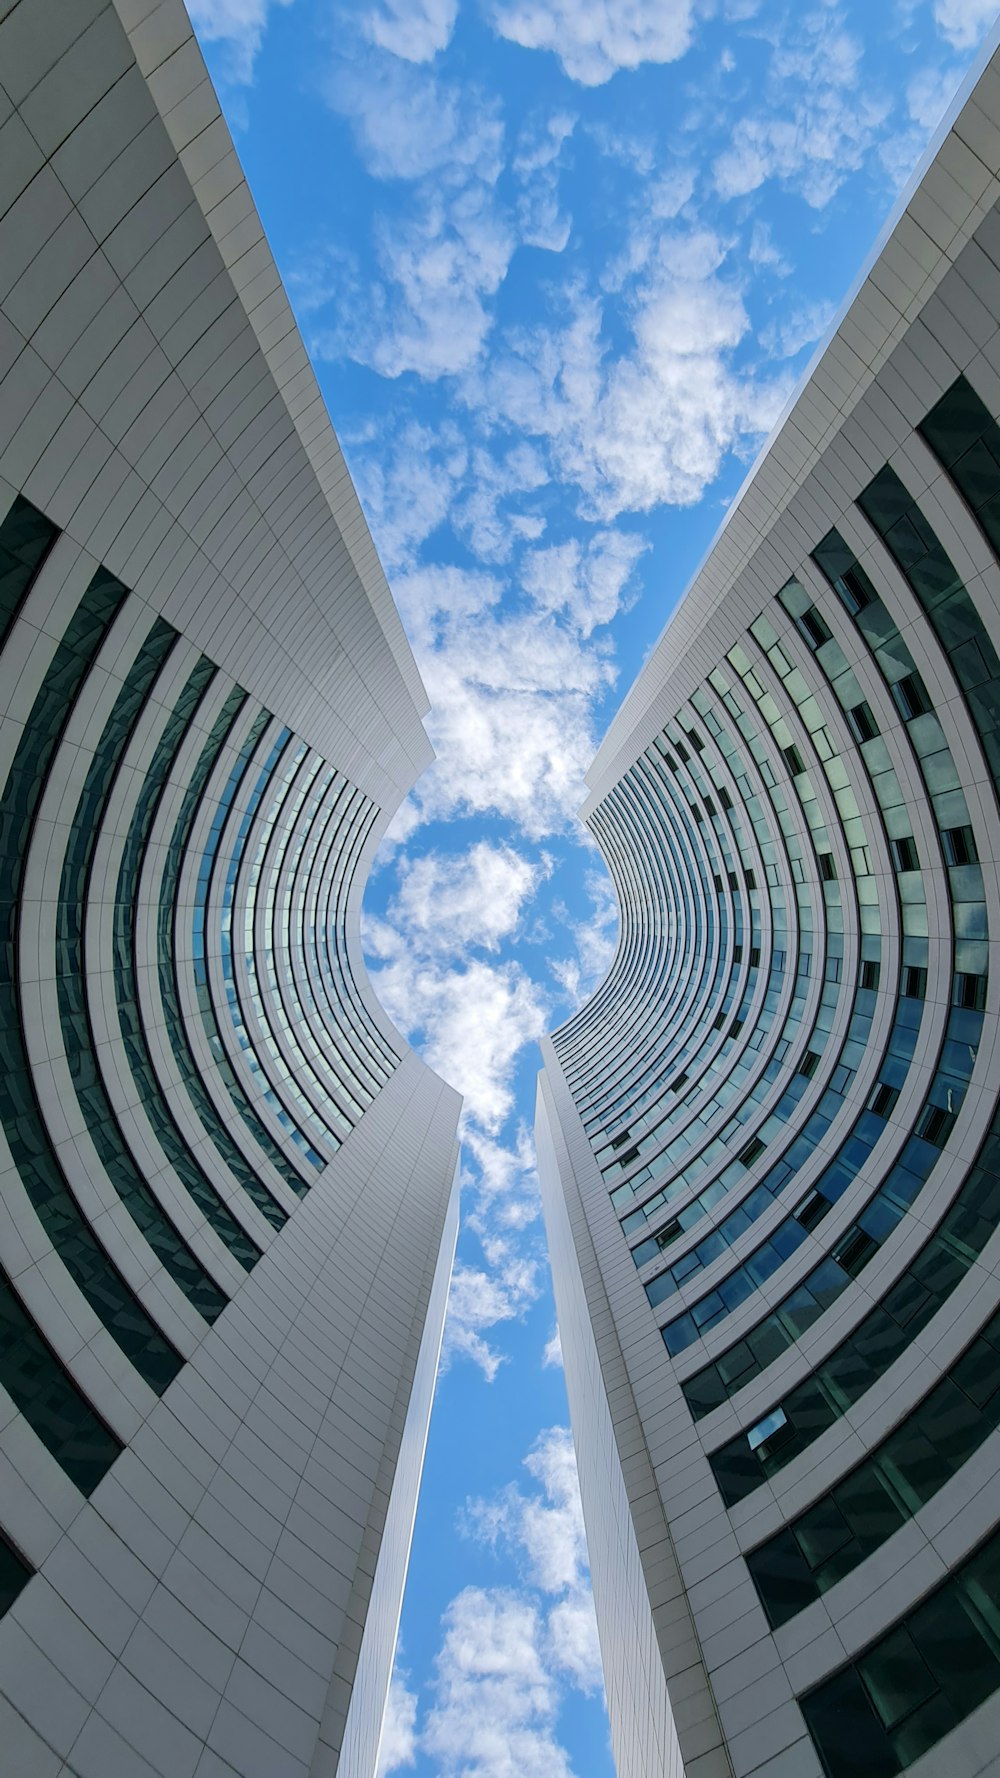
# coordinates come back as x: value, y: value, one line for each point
x: 228, y: 1205
x: 770, y: 1143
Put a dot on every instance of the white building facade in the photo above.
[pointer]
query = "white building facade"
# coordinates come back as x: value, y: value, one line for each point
x: 769, y: 1145
x: 227, y: 1188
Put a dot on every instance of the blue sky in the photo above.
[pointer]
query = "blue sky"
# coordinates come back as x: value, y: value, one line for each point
x: 559, y: 264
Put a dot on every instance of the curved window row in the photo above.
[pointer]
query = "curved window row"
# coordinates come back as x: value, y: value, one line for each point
x: 660, y: 1095
x: 180, y: 1043
x: 141, y: 777
x: 662, y: 969
x: 843, y: 1165
x: 26, y: 536
x: 169, y: 994
x: 735, y: 1060
x: 71, y: 918
x: 296, y: 1076
x: 796, y: 1010
x: 939, y: 1110
x: 32, y: 1152
x: 37, y: 1383
x: 342, y: 1059
x: 918, y: 1681
x: 648, y: 1124
x: 199, y: 917
x: 688, y: 962
x: 791, y: 1424
x: 791, y: 1091
x: 289, y: 1123
x: 849, y: 1058
x: 133, y: 1033
x: 826, y: 1541
x: 15, y: 1574
x: 327, y: 926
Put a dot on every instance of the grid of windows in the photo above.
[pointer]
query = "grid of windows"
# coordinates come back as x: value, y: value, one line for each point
x: 829, y: 1539
x: 148, y: 815
x: 834, y: 987
x: 913, y: 1685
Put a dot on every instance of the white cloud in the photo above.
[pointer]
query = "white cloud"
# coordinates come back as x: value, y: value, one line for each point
x: 447, y: 252
x: 637, y: 152
x: 800, y: 326
x: 815, y: 123
x: 663, y: 200
x: 595, y: 939
x: 541, y: 222
x: 512, y: 701
x: 398, y: 1746
x: 441, y: 263
x: 545, y: 1532
x: 408, y: 482
x: 552, y: 1354
x: 472, y: 1020
x: 502, y: 1183
x: 763, y: 252
x: 505, y: 1180
x: 482, y: 516
x: 929, y: 94
x: 552, y: 1528
x: 963, y: 22
x: 574, y: 1642
x: 540, y: 142
x: 586, y: 579
x: 408, y: 123
x: 413, y: 29
x: 445, y: 903
x: 505, y: 1202
x: 595, y: 38
x: 496, y: 1702
x: 544, y: 1528
x: 238, y: 25
x: 479, y: 1301
x: 653, y: 424
x: 508, y: 1656
x: 435, y: 598
x: 518, y: 751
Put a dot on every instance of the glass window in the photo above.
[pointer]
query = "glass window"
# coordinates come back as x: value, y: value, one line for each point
x: 14, y: 1574
x: 26, y: 537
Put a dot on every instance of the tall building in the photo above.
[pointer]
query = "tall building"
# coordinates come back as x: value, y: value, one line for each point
x: 770, y: 1143
x: 227, y: 1205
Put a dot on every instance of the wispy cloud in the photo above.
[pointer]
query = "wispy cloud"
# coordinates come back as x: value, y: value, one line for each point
x: 815, y: 120
x: 963, y: 22
x: 413, y: 29
x: 583, y: 578
x: 594, y: 936
x: 929, y: 94
x: 595, y: 38
x: 449, y: 903
x: 443, y: 259
x: 409, y: 121
x: 801, y: 326
x: 479, y: 1301
x: 496, y: 1699
x: 651, y: 424
x: 398, y: 1746
x: 238, y: 27
x: 471, y: 1020
x: 511, y: 1656
x: 409, y: 477
x: 513, y: 694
